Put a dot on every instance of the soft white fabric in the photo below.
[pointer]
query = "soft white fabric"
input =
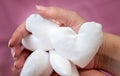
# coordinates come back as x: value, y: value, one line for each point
x: 37, y: 64
x: 67, y: 45
x: 61, y: 65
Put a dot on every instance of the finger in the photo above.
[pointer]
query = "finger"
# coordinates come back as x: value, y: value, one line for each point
x: 19, y: 62
x: 64, y: 16
x: 50, y: 13
x: 91, y: 73
x: 21, y: 59
x: 19, y: 33
x: 15, y: 51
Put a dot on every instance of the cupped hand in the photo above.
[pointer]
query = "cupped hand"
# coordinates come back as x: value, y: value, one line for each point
x: 60, y: 16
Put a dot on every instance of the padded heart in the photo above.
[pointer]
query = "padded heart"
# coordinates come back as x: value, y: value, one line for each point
x: 32, y: 43
x: 61, y: 65
x: 79, y: 48
x: 41, y: 29
x: 37, y: 64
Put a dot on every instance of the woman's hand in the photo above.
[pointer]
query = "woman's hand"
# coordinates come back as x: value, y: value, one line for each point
x: 63, y: 18
x: 19, y: 54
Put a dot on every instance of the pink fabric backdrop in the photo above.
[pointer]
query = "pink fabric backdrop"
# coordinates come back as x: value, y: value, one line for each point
x: 13, y: 12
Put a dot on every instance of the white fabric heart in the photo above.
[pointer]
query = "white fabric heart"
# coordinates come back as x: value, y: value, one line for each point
x: 32, y: 43
x: 62, y: 66
x: 78, y: 48
x: 37, y: 64
x: 41, y: 29
x: 60, y: 62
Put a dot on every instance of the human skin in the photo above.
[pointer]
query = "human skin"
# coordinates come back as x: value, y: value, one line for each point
x: 107, y: 58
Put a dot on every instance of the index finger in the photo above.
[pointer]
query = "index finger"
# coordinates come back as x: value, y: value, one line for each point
x: 17, y: 36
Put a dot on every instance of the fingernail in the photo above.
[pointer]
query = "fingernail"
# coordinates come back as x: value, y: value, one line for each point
x: 12, y: 52
x: 38, y: 7
x: 9, y: 44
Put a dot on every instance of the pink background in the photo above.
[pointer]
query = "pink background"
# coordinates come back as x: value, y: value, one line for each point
x: 13, y: 12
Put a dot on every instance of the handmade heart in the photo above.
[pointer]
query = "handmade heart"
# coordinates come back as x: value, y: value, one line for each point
x: 78, y: 48
x: 40, y: 29
x: 37, y: 64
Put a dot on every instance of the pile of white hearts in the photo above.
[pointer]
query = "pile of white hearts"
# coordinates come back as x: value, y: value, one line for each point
x: 59, y: 48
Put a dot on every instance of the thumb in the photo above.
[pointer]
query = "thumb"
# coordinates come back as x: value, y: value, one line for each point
x: 63, y: 16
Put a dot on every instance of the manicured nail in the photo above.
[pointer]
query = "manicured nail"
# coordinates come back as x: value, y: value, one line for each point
x: 9, y: 44
x: 12, y: 52
x: 38, y: 7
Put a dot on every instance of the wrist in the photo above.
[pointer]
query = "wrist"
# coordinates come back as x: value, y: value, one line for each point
x: 108, y: 57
